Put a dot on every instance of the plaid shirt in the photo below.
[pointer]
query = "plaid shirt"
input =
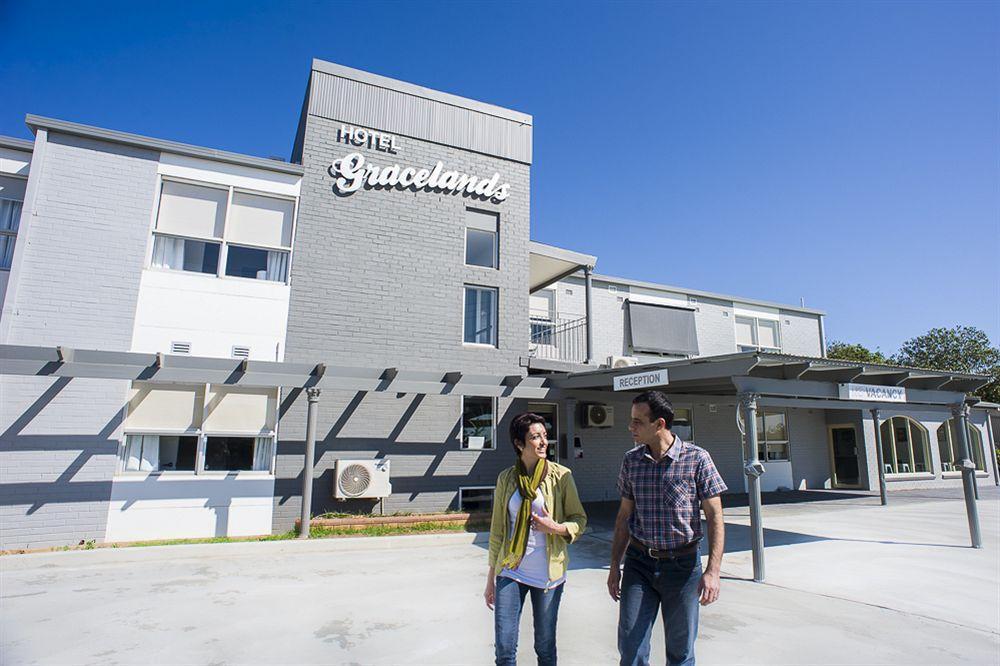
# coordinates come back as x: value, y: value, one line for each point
x: 667, y: 493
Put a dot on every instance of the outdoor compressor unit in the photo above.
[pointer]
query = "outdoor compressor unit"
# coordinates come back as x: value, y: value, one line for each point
x: 598, y: 416
x: 358, y: 479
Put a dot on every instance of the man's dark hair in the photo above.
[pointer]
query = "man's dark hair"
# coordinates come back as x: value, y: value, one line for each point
x: 519, y: 427
x: 660, y: 406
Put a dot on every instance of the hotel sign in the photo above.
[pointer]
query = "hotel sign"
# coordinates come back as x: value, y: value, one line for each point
x: 872, y: 393
x: 354, y: 171
x: 641, y: 380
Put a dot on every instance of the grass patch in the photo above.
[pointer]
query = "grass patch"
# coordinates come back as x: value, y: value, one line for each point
x: 321, y: 531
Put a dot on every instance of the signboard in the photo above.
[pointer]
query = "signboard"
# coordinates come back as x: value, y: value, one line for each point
x: 354, y: 171
x: 871, y: 393
x: 641, y: 380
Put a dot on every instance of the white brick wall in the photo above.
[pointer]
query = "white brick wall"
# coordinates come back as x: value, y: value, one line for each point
x: 77, y: 280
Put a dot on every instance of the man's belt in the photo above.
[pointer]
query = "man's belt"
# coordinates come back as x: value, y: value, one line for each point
x: 666, y: 553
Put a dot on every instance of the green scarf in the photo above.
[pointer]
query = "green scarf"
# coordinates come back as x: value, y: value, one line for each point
x: 527, y: 485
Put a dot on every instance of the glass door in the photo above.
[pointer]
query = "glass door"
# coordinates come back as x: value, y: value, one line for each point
x: 844, y: 456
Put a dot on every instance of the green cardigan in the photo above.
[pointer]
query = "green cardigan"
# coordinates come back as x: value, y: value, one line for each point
x: 561, y: 501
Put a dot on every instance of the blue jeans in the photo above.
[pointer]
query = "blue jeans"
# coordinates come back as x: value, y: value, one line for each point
x: 667, y: 585
x: 507, y: 618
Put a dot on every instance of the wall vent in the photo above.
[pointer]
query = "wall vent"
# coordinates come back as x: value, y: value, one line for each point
x: 241, y: 352
x: 180, y: 347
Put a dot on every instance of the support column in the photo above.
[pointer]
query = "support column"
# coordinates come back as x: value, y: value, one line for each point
x: 993, y: 448
x: 310, y: 461
x: 588, y: 291
x: 961, y: 422
x: 879, y: 456
x: 753, y: 469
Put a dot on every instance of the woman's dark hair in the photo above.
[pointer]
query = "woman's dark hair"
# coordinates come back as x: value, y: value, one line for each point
x: 660, y: 406
x: 519, y: 427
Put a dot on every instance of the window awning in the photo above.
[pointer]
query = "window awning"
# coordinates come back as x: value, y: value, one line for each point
x: 662, y: 329
x: 548, y: 264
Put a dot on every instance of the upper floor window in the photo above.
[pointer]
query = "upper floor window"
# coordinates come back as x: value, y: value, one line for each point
x: 753, y: 334
x: 480, y: 315
x: 948, y: 446
x: 222, y: 231
x: 10, y: 218
x: 482, y: 238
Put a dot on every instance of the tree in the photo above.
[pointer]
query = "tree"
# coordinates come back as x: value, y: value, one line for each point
x: 845, y: 351
x: 962, y: 349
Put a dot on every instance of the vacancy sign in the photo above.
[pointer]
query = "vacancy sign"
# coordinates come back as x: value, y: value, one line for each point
x: 641, y: 380
x: 871, y: 393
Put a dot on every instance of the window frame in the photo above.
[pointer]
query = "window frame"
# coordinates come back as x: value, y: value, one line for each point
x: 973, y: 436
x: 223, y: 241
x: 496, y: 316
x: 690, y: 411
x: 755, y: 332
x: 461, y: 489
x: 496, y: 238
x: 202, y: 434
x: 893, y: 461
x: 493, y: 427
x: 762, y: 412
x: 7, y: 233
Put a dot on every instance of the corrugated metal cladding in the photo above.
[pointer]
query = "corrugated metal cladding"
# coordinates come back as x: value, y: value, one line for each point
x: 366, y: 105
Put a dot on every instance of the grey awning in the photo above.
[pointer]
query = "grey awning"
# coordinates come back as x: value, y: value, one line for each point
x: 662, y: 329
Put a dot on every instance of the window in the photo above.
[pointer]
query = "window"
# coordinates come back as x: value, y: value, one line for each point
x: 482, y: 238
x: 213, y: 429
x: 772, y: 434
x: 198, y: 231
x: 10, y: 218
x: 948, y: 446
x: 481, y: 316
x: 478, y: 423
x: 683, y: 424
x: 478, y: 499
x: 160, y: 453
x: 753, y: 334
x: 904, y: 446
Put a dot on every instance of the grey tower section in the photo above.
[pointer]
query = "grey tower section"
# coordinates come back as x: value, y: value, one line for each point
x: 377, y: 280
x: 74, y: 282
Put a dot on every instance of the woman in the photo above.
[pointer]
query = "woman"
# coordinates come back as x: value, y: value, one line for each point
x: 536, y: 514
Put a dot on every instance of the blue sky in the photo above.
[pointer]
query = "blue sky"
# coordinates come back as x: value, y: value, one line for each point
x: 844, y: 153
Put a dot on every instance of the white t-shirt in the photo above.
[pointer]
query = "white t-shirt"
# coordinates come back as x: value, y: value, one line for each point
x: 534, y: 567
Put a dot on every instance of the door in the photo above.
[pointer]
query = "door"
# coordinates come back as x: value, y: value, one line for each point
x: 844, y: 457
x: 547, y: 410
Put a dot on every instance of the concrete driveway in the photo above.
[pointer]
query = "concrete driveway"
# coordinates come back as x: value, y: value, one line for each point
x: 848, y: 581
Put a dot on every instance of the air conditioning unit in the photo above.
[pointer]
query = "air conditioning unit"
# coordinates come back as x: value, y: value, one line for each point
x: 622, y: 361
x: 598, y: 416
x: 357, y: 479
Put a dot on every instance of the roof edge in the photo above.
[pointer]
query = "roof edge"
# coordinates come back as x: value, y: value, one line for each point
x: 707, y: 294
x: 361, y: 76
x: 17, y: 144
x: 162, y: 145
x: 561, y: 253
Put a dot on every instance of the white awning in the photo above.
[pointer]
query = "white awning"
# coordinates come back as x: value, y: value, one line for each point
x: 550, y: 264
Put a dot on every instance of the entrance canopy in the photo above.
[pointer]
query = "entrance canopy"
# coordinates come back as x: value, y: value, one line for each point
x: 787, y: 376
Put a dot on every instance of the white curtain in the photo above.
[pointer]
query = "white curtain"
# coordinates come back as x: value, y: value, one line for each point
x: 10, y: 214
x: 168, y: 252
x: 277, y: 265
x: 262, y: 454
x: 142, y: 453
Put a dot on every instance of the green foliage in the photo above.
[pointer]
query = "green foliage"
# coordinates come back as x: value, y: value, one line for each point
x: 845, y: 351
x: 962, y: 349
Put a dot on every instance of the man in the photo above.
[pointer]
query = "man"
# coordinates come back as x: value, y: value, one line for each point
x: 658, y: 529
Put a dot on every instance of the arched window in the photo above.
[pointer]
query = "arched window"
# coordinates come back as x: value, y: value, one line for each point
x: 904, y: 446
x: 948, y: 445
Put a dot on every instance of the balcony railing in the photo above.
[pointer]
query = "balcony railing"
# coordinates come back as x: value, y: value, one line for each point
x: 560, y: 337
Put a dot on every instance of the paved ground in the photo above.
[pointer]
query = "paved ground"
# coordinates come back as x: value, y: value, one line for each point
x: 847, y: 582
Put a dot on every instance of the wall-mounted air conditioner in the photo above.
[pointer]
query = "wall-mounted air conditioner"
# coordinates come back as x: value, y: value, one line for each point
x: 622, y: 361
x: 357, y: 479
x: 598, y: 416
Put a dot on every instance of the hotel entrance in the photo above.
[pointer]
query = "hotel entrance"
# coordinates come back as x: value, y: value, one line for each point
x: 845, y: 468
